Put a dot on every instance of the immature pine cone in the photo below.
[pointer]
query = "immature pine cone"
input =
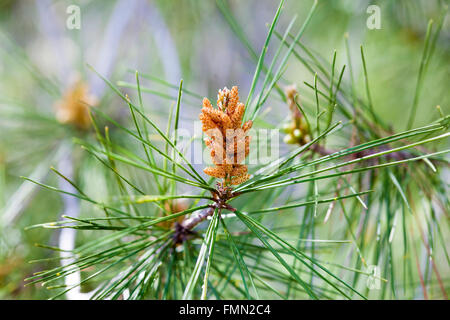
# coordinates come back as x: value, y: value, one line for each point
x: 228, y: 141
x: 73, y: 108
x: 297, y: 130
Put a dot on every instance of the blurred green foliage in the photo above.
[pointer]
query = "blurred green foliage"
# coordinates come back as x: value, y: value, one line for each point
x: 210, y: 57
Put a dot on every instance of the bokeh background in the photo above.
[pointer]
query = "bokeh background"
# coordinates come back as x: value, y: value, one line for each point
x: 40, y: 58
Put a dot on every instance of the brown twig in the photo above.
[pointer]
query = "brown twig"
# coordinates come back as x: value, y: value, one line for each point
x: 220, y: 197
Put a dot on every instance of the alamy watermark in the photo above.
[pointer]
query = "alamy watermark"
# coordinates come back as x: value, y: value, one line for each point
x: 373, y: 281
x: 374, y: 20
x: 73, y: 20
x: 229, y: 147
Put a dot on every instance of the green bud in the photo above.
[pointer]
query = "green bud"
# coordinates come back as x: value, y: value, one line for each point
x: 286, y: 128
x: 304, y: 125
x: 289, y: 139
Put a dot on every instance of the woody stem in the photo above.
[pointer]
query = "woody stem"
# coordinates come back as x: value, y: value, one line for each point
x: 193, y: 220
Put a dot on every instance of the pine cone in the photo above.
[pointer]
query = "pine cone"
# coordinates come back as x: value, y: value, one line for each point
x: 228, y: 141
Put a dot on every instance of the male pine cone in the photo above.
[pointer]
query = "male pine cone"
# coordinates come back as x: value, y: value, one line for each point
x: 73, y: 108
x: 227, y: 141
